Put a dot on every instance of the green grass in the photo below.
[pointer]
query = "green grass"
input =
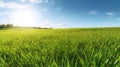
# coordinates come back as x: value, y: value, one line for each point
x: 90, y: 47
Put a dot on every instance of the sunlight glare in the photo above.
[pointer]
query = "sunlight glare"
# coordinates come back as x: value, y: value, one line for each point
x: 24, y: 17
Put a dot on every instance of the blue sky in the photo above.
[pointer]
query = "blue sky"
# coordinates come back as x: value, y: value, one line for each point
x: 61, y: 13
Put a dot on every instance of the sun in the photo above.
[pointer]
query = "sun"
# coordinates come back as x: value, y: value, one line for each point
x: 24, y: 17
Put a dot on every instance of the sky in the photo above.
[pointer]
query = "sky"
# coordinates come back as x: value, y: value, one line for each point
x: 60, y: 13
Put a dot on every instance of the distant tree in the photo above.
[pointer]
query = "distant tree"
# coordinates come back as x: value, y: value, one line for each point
x: 2, y: 26
x: 9, y: 25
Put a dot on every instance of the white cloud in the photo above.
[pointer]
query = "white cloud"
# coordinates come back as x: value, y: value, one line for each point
x: 4, y: 13
x: 93, y: 12
x: 1, y: 14
x: 110, y: 14
x: 22, y: 0
x: 11, y: 5
x: 35, y: 1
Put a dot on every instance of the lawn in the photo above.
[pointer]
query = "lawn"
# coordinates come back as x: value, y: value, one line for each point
x: 74, y: 47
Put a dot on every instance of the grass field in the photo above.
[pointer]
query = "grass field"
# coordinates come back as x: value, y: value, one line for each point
x: 92, y: 47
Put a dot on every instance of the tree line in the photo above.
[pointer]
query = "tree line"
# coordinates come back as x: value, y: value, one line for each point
x: 3, y: 26
x: 6, y: 26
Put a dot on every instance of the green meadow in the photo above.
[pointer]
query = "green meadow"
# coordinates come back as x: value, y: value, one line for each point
x: 85, y: 47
